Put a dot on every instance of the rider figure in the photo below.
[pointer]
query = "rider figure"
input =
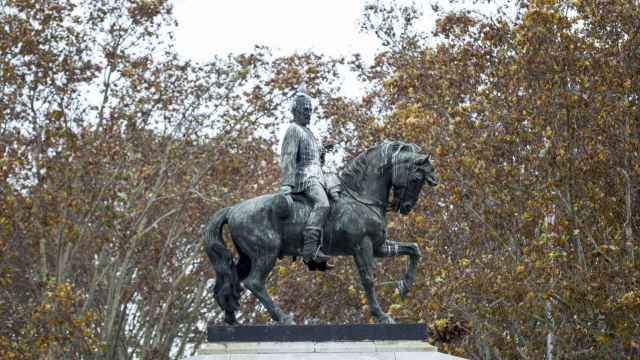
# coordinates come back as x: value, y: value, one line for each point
x: 302, y: 174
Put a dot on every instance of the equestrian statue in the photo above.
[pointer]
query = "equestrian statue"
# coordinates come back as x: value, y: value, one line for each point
x: 301, y: 220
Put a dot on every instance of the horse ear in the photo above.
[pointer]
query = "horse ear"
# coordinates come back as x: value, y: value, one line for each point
x: 422, y: 159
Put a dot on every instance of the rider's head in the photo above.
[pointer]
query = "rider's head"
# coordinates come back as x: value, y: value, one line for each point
x: 301, y: 109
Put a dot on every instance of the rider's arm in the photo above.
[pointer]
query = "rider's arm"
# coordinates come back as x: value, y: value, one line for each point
x: 288, y: 156
x: 327, y: 146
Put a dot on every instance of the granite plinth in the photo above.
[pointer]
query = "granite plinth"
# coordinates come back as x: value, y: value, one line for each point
x: 334, y: 350
x: 315, y: 347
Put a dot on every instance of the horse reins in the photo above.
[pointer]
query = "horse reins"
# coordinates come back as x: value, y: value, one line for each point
x: 394, y: 174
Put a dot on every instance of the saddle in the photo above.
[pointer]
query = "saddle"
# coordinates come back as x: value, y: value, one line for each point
x: 296, y: 208
x: 293, y: 211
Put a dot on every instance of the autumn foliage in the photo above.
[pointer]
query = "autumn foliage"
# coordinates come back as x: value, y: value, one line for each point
x: 115, y: 151
x: 531, y: 242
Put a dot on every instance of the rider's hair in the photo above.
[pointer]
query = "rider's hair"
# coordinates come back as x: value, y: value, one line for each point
x: 299, y: 102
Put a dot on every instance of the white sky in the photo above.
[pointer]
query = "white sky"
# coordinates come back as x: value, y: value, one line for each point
x: 219, y: 27
x: 209, y: 27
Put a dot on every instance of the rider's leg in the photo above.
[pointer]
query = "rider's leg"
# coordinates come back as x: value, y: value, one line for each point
x: 313, y: 229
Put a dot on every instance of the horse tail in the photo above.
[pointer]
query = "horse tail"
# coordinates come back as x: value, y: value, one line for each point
x: 227, y: 289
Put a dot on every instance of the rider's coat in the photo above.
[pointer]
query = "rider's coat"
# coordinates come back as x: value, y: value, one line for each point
x: 300, y: 158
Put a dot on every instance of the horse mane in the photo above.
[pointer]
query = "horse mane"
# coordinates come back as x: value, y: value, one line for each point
x: 380, y: 154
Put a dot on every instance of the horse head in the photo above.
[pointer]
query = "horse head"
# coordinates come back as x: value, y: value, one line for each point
x: 411, y: 170
x: 391, y: 165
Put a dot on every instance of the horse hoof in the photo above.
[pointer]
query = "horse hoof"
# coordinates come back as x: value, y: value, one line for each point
x: 230, y: 318
x: 287, y: 320
x: 386, y: 319
x: 231, y: 322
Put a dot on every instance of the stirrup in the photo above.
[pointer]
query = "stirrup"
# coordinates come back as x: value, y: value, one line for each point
x: 316, y: 256
x: 322, y: 260
x: 319, y: 256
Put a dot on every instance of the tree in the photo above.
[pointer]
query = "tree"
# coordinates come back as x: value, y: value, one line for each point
x: 532, y: 120
x: 115, y: 152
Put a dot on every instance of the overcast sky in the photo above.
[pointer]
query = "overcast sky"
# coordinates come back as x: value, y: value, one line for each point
x: 207, y: 28
x: 330, y: 27
x: 218, y: 27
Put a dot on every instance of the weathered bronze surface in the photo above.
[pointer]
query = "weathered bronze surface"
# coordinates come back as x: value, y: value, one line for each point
x: 302, y: 174
x: 263, y: 228
x: 275, y: 225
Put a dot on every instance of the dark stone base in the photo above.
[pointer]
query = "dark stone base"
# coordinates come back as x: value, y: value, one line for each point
x: 316, y: 333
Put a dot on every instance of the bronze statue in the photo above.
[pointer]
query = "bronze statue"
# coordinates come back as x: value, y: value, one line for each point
x: 302, y: 174
x: 271, y: 226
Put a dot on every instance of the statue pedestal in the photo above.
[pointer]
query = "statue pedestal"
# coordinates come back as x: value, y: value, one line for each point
x: 320, y: 342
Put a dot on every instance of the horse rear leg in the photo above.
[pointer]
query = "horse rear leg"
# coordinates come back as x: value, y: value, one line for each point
x: 260, y: 269
x: 363, y: 255
x: 395, y: 248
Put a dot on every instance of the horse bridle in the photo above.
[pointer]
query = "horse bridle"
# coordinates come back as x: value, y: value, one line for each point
x: 406, y: 171
x: 395, y: 166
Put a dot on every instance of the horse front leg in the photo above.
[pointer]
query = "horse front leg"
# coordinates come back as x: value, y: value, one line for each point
x: 395, y: 248
x: 363, y: 255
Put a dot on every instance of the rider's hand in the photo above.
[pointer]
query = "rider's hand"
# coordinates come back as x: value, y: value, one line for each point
x: 329, y: 146
x: 286, y: 189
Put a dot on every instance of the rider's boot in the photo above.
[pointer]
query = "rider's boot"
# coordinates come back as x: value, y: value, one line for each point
x: 312, y: 245
x: 312, y: 235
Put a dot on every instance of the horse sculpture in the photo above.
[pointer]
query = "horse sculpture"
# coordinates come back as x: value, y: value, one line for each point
x: 261, y: 231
